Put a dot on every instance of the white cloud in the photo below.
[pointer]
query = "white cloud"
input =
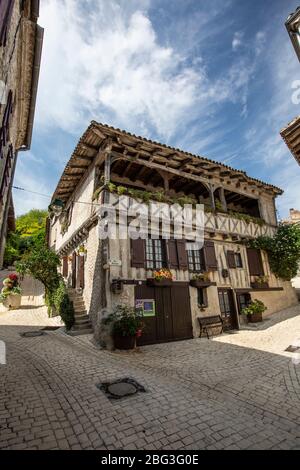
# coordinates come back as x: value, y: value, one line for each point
x: 237, y: 40
x: 110, y: 65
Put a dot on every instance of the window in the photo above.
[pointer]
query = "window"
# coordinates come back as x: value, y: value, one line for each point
x: 196, y: 260
x: 243, y: 301
x: 155, y: 254
x: 238, y: 260
x: 202, y: 297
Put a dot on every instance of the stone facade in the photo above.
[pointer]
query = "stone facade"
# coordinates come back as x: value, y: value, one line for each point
x: 20, y: 51
x: 226, y: 231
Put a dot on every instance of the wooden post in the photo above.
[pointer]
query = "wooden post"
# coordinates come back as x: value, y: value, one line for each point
x: 223, y: 199
x: 107, y: 167
x: 212, y: 197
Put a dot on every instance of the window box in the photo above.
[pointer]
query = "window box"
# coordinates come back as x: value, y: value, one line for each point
x: 259, y: 285
x: 151, y: 281
x: 198, y: 283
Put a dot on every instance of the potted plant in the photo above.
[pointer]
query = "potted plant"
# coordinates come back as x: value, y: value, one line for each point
x: 260, y: 282
x: 254, y: 311
x: 200, y: 280
x: 11, y: 292
x: 127, y: 324
x: 162, y: 278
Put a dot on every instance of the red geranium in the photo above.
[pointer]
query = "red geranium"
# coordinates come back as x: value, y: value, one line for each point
x: 13, y: 277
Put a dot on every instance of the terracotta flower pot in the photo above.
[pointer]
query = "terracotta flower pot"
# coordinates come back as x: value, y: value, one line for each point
x: 255, y: 318
x: 13, y: 301
x: 124, y: 342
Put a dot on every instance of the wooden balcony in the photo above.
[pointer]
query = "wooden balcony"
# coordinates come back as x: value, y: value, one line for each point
x: 217, y: 222
x: 228, y: 224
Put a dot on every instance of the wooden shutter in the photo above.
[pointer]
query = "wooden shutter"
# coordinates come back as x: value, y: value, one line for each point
x: 74, y: 274
x: 210, y: 256
x: 182, y: 254
x: 65, y: 266
x: 255, y: 262
x: 231, y: 259
x: 172, y: 254
x: 138, y: 253
x: 81, y: 271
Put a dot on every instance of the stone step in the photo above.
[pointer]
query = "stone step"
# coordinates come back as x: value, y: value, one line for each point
x: 87, y: 331
x: 79, y: 306
x: 82, y: 326
x: 83, y: 320
x: 80, y: 312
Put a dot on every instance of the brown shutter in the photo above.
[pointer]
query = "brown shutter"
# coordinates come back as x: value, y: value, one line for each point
x: 81, y: 271
x: 231, y: 259
x: 182, y: 254
x: 138, y: 253
x: 172, y: 255
x: 210, y: 256
x: 65, y: 266
x: 74, y: 274
x: 255, y: 262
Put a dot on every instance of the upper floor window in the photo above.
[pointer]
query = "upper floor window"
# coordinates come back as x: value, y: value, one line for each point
x: 196, y: 260
x: 238, y: 260
x: 155, y: 254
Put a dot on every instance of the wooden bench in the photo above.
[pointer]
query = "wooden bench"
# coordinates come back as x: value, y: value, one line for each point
x: 207, y: 323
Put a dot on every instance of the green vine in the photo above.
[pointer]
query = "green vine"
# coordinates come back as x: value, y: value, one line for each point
x: 283, y: 250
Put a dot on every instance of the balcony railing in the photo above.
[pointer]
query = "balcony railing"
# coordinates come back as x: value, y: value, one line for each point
x: 227, y: 224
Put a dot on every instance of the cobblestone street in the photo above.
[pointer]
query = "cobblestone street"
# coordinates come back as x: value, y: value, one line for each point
x: 200, y: 394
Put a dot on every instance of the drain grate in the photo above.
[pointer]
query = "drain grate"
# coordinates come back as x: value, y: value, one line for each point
x: 32, y: 334
x: 293, y: 349
x: 121, y: 388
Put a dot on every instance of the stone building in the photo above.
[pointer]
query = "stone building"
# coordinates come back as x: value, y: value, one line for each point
x: 294, y: 218
x: 20, y: 53
x: 291, y: 136
x: 220, y: 277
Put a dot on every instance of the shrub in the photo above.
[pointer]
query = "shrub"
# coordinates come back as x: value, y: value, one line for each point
x: 59, y: 300
x: 283, y: 250
x: 126, y: 321
x: 256, y: 306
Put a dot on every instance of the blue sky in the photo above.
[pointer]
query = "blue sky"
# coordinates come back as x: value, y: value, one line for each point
x: 209, y: 76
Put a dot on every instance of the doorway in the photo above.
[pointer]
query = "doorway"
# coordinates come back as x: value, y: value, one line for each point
x: 172, y: 320
x: 227, y: 307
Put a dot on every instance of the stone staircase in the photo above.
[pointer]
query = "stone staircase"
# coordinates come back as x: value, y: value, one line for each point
x: 82, y: 325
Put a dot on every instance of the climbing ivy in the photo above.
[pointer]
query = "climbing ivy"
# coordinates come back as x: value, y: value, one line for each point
x: 283, y: 250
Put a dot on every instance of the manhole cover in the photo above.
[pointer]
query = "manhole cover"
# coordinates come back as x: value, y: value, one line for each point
x: 121, y: 388
x: 293, y: 349
x: 32, y: 334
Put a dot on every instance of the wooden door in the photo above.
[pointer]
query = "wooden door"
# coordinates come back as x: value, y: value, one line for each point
x: 172, y: 320
x: 80, y: 282
x: 228, y: 312
x: 74, y: 270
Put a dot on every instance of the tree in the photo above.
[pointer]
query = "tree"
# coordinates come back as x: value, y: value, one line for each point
x: 42, y: 264
x: 30, y: 233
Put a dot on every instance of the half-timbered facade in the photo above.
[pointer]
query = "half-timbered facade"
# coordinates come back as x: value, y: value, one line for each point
x: 20, y: 51
x: 109, y: 163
